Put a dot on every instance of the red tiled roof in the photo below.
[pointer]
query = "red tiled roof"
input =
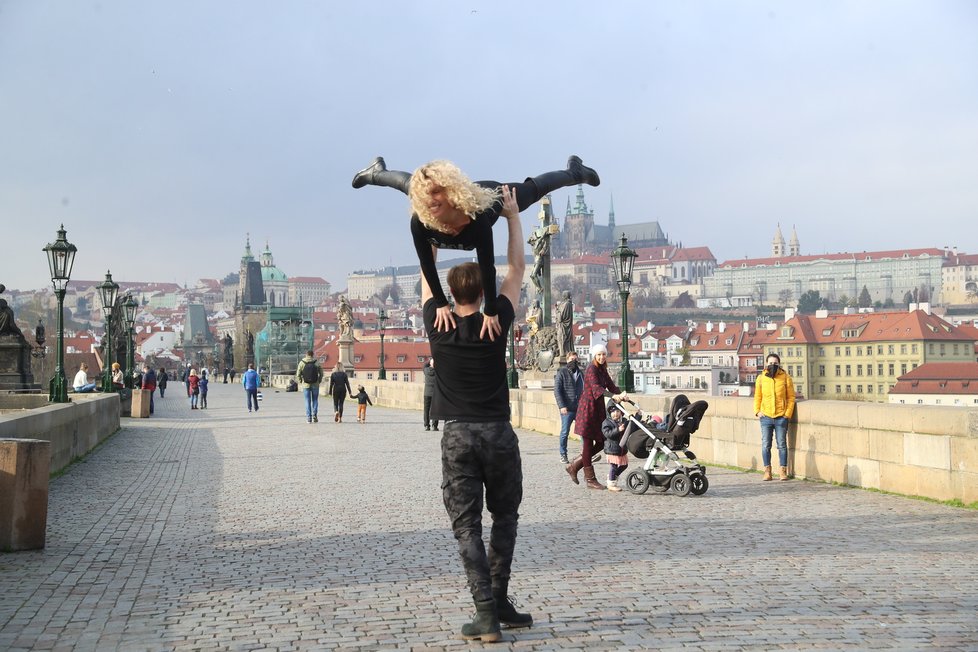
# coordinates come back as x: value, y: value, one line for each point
x: 939, y: 378
x: 873, y: 255
x: 693, y: 253
x: 872, y: 327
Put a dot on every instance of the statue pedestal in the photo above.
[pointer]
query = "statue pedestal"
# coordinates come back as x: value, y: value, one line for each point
x: 15, y: 363
x: 533, y: 379
x: 345, y: 346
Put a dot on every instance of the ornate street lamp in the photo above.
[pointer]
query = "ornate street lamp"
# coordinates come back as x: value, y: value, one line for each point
x: 513, y: 376
x: 108, y: 290
x: 61, y: 257
x: 130, y: 305
x: 622, y: 259
x: 382, y: 319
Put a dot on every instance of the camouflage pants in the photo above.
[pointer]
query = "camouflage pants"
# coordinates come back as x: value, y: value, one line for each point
x: 473, y: 456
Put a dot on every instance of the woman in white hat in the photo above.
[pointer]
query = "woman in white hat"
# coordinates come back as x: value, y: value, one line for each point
x: 591, y: 413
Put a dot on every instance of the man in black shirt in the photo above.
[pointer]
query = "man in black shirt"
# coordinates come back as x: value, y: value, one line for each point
x: 479, y: 449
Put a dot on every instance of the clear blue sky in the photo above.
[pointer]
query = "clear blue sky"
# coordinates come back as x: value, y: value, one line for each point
x: 184, y: 125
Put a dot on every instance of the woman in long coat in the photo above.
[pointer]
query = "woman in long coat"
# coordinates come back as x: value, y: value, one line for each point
x: 591, y: 413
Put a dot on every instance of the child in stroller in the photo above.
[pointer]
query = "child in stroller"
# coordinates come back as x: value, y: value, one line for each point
x: 668, y: 462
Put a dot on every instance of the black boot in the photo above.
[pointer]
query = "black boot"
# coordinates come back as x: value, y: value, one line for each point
x: 506, y: 610
x: 377, y: 174
x: 485, y: 625
x: 575, y: 173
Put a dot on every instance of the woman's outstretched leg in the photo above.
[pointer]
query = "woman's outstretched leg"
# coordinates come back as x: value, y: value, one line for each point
x: 377, y: 174
x: 533, y: 189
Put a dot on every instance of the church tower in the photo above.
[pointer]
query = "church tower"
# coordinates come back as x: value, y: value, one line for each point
x: 794, y: 248
x: 611, y: 215
x: 777, y: 244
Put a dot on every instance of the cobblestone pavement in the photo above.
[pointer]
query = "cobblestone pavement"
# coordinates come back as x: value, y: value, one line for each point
x: 219, y: 529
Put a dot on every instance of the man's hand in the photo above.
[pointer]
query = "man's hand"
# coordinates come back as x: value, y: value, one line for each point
x: 444, y: 319
x: 563, y: 410
x: 491, y: 326
x: 510, y: 208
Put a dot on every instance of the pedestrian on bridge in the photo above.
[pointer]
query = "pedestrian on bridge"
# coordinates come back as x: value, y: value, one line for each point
x: 250, y: 382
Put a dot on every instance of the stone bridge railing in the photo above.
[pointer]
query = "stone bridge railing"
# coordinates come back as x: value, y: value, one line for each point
x: 915, y: 450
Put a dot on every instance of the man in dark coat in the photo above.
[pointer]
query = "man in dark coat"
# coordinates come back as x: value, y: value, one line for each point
x: 568, y: 385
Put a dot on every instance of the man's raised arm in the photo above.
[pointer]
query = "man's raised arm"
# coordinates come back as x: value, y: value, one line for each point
x: 515, y: 257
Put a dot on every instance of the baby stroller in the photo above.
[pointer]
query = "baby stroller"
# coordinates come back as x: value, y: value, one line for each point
x: 668, y: 463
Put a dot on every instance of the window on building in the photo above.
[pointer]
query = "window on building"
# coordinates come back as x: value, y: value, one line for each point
x: 903, y: 349
x: 394, y: 376
x: 859, y: 350
x: 937, y: 402
x: 903, y: 368
x: 890, y: 349
x: 838, y: 350
x: 848, y: 351
x: 821, y: 389
x: 838, y: 389
x: 848, y: 389
x: 869, y: 370
x: 406, y: 376
x: 370, y: 375
x: 859, y: 370
x: 869, y: 389
x: 801, y: 368
x: 848, y: 369
x: 930, y: 348
x: 913, y: 348
x: 942, y: 348
x: 821, y: 370
x: 879, y: 369
x: 955, y: 346
x: 838, y: 370
x: 879, y: 349
x: 859, y: 389
x: 821, y: 351
x: 891, y: 368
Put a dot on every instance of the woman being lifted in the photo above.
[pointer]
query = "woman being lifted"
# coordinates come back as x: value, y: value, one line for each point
x: 452, y: 212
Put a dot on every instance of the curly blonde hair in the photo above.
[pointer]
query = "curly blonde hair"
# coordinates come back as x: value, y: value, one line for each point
x: 463, y: 193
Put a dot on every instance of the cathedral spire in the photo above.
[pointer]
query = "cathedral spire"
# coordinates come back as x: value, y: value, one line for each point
x: 777, y: 244
x: 611, y: 216
x: 794, y: 247
x: 247, y: 252
x: 568, y: 205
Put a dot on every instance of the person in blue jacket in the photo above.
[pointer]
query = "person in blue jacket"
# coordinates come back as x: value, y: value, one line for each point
x: 250, y: 382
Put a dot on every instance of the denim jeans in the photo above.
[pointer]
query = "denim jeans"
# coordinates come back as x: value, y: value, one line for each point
x: 476, y: 456
x: 312, y: 401
x: 565, y: 423
x: 777, y: 426
x: 252, y: 398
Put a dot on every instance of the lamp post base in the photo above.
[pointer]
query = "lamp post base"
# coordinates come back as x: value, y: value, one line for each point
x: 626, y: 379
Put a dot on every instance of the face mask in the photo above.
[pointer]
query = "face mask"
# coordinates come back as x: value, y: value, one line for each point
x: 772, y: 369
x: 572, y: 365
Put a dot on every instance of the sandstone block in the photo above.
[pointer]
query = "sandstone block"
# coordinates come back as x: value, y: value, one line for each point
x: 25, y: 465
x: 931, y: 451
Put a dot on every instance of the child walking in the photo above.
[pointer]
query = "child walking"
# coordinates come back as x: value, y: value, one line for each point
x: 613, y: 428
x: 362, y: 402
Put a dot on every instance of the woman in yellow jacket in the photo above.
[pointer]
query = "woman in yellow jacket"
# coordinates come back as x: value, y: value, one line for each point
x: 774, y: 403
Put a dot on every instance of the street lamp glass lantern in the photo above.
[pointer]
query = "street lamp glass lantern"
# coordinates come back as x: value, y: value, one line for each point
x: 130, y: 305
x: 108, y: 290
x: 623, y: 259
x: 61, y: 258
x: 382, y: 320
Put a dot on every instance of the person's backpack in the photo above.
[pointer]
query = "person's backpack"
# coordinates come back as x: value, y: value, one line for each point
x: 310, y: 373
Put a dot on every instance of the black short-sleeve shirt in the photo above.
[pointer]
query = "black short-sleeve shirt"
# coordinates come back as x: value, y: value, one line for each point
x: 470, y: 372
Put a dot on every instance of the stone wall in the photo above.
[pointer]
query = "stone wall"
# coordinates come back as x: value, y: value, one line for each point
x: 72, y: 428
x: 915, y: 450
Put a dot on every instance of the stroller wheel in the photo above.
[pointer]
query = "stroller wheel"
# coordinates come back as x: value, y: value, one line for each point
x: 699, y: 484
x: 637, y: 481
x: 681, y: 486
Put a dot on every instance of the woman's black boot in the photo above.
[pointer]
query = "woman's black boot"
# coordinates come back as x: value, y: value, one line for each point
x: 377, y: 174
x: 575, y: 173
x: 485, y: 625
